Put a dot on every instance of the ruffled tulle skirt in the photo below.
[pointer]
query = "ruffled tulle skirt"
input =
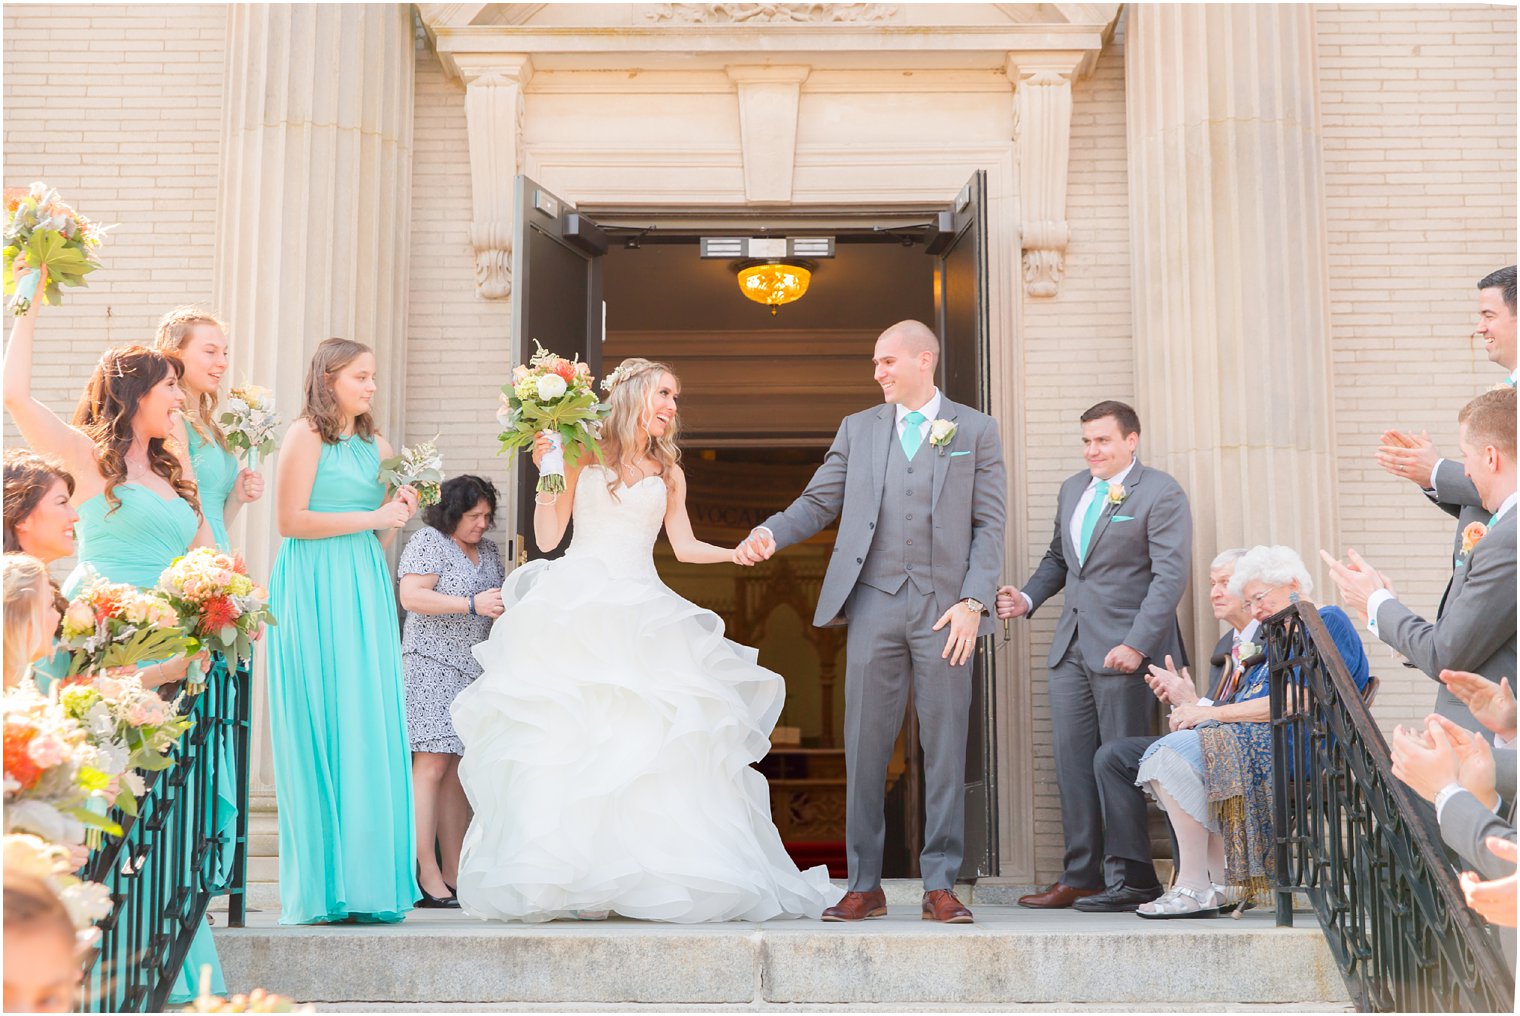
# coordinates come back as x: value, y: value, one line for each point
x: 607, y: 757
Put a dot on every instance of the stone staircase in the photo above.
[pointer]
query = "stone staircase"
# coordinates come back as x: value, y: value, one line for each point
x: 1011, y: 958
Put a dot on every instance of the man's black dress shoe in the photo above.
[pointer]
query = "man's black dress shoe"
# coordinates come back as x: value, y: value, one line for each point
x: 1120, y: 899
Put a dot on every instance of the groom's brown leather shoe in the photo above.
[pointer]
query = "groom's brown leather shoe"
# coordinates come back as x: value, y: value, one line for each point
x: 942, y: 906
x: 1058, y: 897
x: 858, y: 906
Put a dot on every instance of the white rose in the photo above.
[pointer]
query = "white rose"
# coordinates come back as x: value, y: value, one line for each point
x: 550, y: 387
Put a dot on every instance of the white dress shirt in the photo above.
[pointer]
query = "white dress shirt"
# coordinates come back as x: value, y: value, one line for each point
x: 1382, y: 596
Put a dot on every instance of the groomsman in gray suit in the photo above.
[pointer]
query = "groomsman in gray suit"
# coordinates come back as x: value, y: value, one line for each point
x: 1121, y: 550
x: 1475, y: 630
x: 919, y: 487
x: 1444, y: 481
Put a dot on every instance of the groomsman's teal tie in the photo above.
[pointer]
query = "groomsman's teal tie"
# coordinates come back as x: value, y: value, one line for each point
x: 1090, y: 520
x: 911, y: 438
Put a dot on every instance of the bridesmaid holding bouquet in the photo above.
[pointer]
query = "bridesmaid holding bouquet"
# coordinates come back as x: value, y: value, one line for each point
x: 337, y: 708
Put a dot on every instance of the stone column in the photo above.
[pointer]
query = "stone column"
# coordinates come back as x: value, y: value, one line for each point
x: 313, y: 218
x: 1230, y: 275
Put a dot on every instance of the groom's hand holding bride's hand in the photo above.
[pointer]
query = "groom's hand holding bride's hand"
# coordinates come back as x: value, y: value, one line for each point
x: 758, y: 546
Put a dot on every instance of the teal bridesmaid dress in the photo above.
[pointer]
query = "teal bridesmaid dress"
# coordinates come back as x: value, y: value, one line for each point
x: 343, y: 775
x: 216, y: 470
x: 134, y: 544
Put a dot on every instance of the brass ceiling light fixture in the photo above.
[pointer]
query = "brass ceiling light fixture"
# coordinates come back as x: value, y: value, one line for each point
x: 772, y: 270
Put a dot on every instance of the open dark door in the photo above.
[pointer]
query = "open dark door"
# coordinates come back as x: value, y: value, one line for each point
x: 556, y: 299
x: 960, y: 290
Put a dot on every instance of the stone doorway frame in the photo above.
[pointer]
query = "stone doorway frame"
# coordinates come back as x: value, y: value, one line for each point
x: 495, y: 49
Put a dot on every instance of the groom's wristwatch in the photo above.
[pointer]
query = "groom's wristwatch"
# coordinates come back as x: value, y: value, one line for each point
x: 975, y: 606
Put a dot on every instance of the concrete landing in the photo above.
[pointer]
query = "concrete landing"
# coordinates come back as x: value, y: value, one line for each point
x: 1011, y: 957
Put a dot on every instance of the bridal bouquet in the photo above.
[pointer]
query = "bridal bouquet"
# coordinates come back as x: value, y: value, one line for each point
x: 54, y: 773
x: 554, y: 396
x: 41, y: 232
x: 215, y: 601
x: 113, y: 625
x: 420, y: 466
x: 131, y: 726
x: 250, y: 421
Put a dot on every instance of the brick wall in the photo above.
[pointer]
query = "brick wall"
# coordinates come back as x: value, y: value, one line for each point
x: 1418, y: 111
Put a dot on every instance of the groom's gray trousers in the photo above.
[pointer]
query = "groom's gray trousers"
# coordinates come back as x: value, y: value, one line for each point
x: 892, y: 647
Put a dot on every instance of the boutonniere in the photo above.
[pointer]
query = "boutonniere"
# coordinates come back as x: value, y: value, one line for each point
x: 941, y: 433
x: 1117, y: 494
x: 1474, y: 532
x: 1248, y: 650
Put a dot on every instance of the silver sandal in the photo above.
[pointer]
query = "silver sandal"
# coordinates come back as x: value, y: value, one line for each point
x: 1171, y: 905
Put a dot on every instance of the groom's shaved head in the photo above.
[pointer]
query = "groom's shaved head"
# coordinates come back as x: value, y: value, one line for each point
x: 915, y: 336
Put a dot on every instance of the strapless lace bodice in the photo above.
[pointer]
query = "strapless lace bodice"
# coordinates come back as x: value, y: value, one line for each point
x: 618, y: 530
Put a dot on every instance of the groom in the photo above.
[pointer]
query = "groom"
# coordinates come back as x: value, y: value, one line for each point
x: 920, y: 483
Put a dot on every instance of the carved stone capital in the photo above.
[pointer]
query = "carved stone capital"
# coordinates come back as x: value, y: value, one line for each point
x: 494, y: 116
x: 1042, y: 135
x: 768, y: 101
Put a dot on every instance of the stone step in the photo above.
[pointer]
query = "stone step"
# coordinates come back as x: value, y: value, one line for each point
x: 1010, y: 956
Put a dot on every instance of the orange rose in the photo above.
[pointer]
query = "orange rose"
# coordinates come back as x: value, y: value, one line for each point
x: 1474, y: 532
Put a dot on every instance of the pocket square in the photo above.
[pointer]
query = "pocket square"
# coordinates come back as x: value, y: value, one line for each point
x: 954, y: 454
x: 1122, y: 518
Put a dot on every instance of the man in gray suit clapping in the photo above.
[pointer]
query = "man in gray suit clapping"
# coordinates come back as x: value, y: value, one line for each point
x: 919, y: 488
x: 1121, y: 550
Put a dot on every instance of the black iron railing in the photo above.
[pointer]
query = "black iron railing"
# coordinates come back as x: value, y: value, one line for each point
x: 1363, y: 849
x: 183, y: 848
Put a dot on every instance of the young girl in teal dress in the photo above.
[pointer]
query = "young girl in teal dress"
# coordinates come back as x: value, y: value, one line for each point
x: 336, y: 705
x: 138, y: 510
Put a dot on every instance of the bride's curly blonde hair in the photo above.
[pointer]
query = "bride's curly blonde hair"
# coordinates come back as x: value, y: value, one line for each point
x: 633, y: 385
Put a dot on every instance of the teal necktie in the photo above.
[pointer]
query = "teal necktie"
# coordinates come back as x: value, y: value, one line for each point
x: 1090, y: 520
x: 911, y: 438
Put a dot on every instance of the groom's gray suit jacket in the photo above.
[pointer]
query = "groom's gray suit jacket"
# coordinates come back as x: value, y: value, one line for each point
x: 1127, y: 589
x: 966, y: 507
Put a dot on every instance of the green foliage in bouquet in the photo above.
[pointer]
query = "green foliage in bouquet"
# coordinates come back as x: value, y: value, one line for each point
x: 551, y: 393
x: 420, y: 466
x: 43, y: 232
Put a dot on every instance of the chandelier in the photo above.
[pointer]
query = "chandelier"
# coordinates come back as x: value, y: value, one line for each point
x: 774, y: 282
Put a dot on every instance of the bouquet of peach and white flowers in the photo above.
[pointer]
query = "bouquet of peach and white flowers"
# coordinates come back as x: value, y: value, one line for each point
x: 43, y: 232
x: 54, y: 772
x: 250, y: 421
x: 48, y: 863
x: 215, y: 601
x: 553, y: 396
x: 111, y: 624
x: 420, y: 467
x: 130, y: 725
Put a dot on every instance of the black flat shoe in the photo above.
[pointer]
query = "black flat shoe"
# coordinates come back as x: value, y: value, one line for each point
x: 431, y: 902
x: 1120, y: 899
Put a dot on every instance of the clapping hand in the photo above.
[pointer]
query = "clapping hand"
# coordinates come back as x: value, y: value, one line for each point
x: 1494, y: 901
x: 1011, y: 603
x: 1475, y: 761
x: 1170, y: 686
x: 1356, y: 579
x: 1424, y: 759
x: 1492, y: 705
x: 1413, y: 458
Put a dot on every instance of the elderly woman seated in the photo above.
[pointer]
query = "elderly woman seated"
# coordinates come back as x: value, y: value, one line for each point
x: 1212, y: 775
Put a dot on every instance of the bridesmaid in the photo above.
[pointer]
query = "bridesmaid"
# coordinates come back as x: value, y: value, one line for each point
x: 199, y: 342
x: 138, y: 511
x: 337, y: 711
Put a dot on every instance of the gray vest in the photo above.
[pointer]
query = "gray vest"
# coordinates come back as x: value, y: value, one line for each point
x: 900, y: 547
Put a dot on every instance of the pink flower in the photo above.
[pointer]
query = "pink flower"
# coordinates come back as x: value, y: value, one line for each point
x: 47, y: 751
x: 146, y: 713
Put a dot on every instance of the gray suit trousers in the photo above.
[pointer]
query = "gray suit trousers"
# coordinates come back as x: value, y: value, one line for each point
x: 1087, y: 710
x: 892, y: 647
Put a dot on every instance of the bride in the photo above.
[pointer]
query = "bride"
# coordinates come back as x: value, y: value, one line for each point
x: 608, y: 741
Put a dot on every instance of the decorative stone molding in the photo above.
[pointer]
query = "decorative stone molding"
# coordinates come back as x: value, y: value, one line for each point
x: 768, y: 101
x: 1042, y: 136
x: 765, y: 14
x: 494, y: 114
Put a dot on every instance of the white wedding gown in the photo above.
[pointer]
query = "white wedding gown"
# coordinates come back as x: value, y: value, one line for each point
x: 608, y: 743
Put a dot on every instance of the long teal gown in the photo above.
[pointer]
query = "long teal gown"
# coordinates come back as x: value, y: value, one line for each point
x: 343, y: 775
x: 134, y: 544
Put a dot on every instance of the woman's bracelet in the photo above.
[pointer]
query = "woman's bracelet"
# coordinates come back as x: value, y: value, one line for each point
x: 538, y: 499
x: 472, y: 603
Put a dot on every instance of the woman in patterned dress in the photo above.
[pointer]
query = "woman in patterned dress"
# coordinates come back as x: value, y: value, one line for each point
x: 451, y: 575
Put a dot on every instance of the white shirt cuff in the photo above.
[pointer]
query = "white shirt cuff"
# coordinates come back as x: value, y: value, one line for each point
x: 1431, y: 486
x: 1445, y: 794
x: 1500, y: 741
x: 1205, y: 701
x: 763, y: 529
x: 1374, y: 602
x: 1028, y: 603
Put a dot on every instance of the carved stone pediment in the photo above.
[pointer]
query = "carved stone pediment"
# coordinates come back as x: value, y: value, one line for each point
x: 769, y: 14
